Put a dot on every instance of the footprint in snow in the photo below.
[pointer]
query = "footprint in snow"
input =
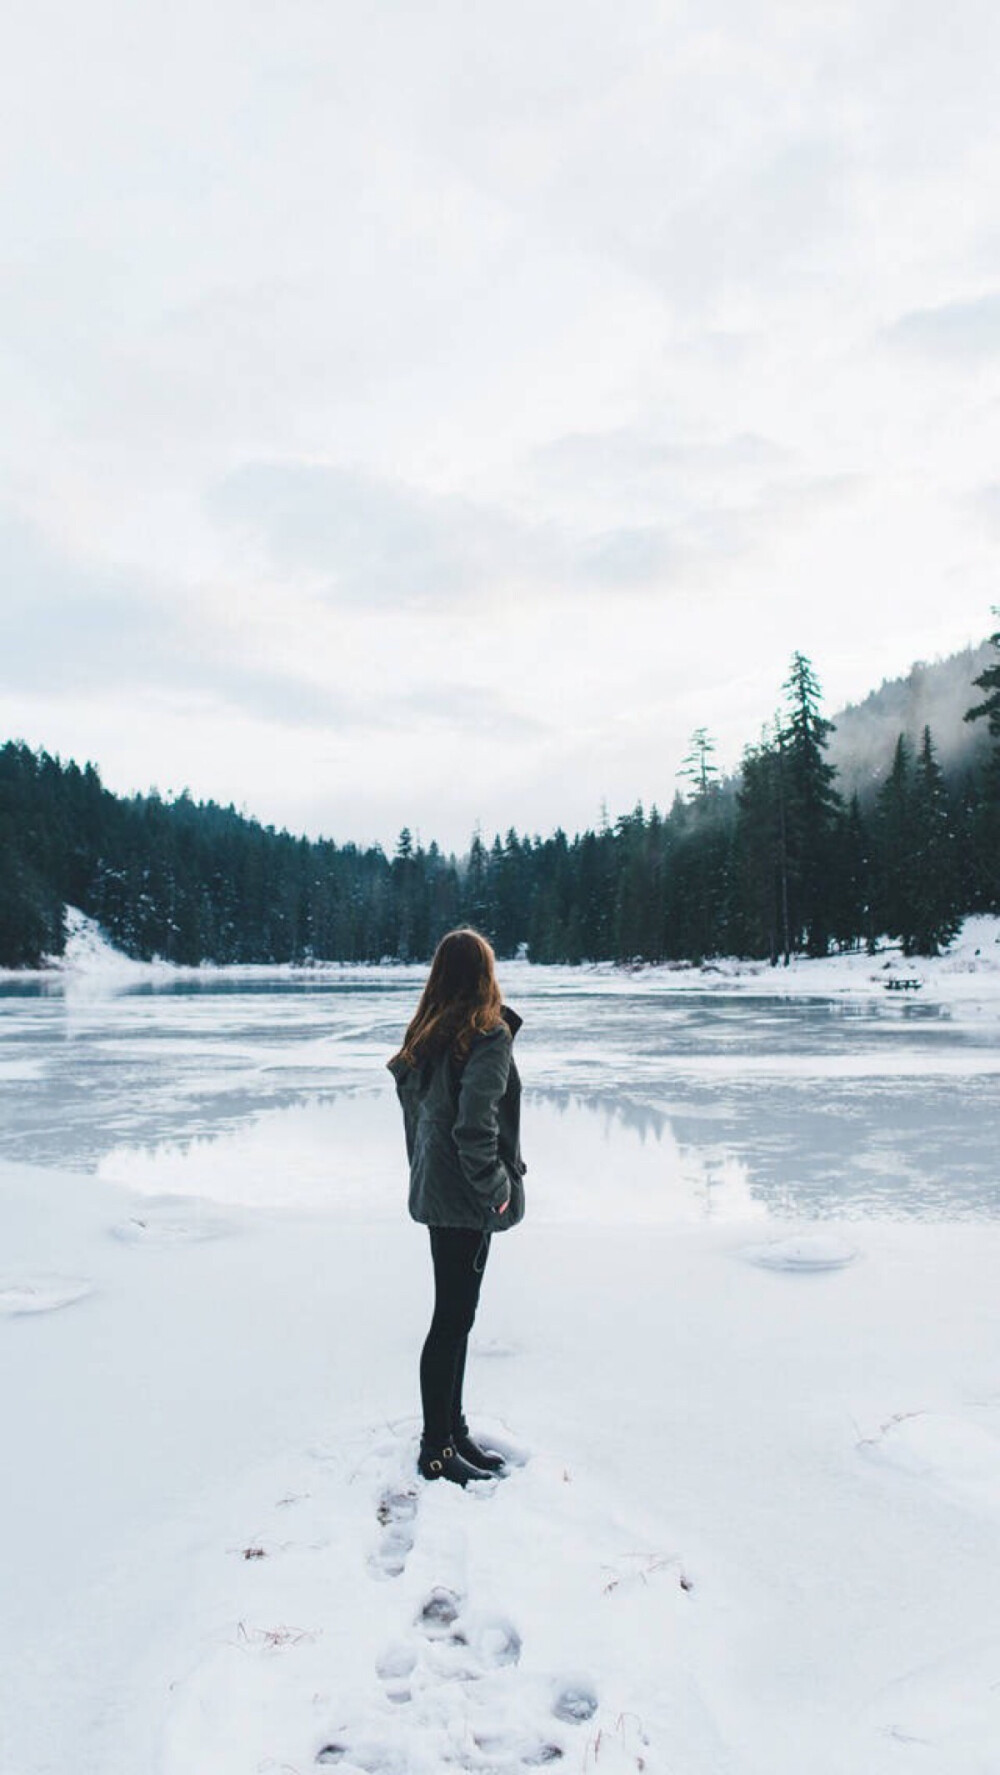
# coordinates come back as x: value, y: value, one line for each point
x: 575, y: 1702
x: 396, y: 1512
x: 530, y: 1753
x: 439, y: 1613
x: 514, y: 1453
x: 374, y: 1758
x: 41, y: 1294
x: 394, y: 1667
x: 495, y: 1643
x: 459, y: 1648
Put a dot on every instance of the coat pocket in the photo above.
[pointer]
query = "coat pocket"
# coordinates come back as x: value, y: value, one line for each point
x: 513, y: 1214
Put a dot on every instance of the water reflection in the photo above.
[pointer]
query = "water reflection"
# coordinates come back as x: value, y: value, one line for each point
x: 609, y: 1161
x: 637, y: 1104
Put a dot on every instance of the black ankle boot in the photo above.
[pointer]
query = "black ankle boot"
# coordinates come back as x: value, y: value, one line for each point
x: 447, y: 1463
x: 477, y: 1457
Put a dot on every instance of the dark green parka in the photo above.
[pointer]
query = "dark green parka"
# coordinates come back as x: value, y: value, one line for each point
x: 463, y: 1133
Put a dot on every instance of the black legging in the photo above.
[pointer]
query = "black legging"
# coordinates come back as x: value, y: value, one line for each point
x: 459, y: 1254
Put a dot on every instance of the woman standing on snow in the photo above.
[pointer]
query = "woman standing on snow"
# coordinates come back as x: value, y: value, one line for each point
x: 461, y: 1097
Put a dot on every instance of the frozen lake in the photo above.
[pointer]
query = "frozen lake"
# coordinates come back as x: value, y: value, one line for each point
x: 644, y: 1101
x: 212, y: 1304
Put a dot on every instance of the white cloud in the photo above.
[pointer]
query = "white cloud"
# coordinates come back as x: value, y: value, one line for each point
x: 414, y: 416
x: 962, y: 332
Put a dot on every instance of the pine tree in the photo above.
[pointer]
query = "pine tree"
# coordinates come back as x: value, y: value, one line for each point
x: 989, y: 680
x: 896, y: 912
x: 853, y: 887
x: 697, y: 846
x: 760, y: 918
x: 697, y: 764
x: 633, y: 886
x: 404, y: 894
x: 811, y: 810
x: 933, y: 891
x: 509, y: 893
x: 476, y: 885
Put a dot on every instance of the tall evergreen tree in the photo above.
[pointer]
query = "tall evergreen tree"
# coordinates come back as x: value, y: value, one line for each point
x: 698, y: 766
x: 812, y: 809
x: 406, y: 894
x: 760, y: 916
x: 476, y: 895
x: 896, y: 912
x: 853, y: 886
x: 933, y: 892
x: 510, y: 890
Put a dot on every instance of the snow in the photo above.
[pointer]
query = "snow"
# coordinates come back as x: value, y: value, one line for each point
x: 810, y: 1251
x: 728, y: 1527
x: 751, y: 1520
x: 41, y: 1294
x: 968, y: 970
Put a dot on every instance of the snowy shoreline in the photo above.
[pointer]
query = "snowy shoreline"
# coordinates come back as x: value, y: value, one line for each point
x: 968, y: 969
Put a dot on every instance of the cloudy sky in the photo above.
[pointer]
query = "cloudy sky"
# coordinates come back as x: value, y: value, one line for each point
x: 431, y: 413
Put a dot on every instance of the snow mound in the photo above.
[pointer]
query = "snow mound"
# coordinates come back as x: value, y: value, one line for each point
x: 956, y: 1455
x: 976, y: 948
x: 41, y: 1294
x: 171, y: 1223
x: 806, y: 1253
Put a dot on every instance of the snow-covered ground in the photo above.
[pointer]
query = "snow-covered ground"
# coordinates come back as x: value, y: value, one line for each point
x: 752, y: 1518
x: 969, y: 968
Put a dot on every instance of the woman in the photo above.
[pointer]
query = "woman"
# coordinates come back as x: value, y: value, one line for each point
x: 461, y: 1096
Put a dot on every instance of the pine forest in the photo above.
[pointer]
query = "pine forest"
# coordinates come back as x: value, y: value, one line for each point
x: 770, y: 863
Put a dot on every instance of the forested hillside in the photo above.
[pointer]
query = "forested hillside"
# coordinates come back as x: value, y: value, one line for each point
x: 934, y: 695
x: 772, y: 863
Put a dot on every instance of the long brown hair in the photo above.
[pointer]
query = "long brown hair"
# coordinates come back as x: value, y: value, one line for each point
x: 461, y: 999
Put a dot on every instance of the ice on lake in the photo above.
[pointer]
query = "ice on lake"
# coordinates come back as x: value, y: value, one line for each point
x: 640, y: 1105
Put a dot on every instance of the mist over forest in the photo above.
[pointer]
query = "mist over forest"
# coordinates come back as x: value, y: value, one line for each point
x: 934, y: 695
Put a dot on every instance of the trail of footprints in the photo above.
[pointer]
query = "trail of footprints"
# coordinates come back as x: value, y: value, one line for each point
x: 449, y: 1643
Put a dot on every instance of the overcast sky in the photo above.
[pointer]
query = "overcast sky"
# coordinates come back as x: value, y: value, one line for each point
x: 431, y: 413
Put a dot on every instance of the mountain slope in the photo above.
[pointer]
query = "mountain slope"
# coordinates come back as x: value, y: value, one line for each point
x: 935, y: 695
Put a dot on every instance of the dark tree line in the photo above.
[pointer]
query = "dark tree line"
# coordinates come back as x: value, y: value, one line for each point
x: 767, y: 865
